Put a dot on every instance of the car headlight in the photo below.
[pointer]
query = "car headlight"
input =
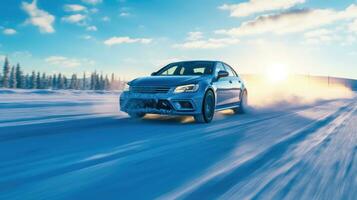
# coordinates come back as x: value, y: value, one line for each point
x: 186, y: 88
x: 126, y: 88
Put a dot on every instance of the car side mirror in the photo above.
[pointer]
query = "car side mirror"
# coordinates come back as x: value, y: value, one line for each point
x: 222, y: 74
x: 154, y: 73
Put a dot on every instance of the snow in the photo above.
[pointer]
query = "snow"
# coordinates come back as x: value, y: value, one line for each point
x: 77, y: 145
x: 20, y: 107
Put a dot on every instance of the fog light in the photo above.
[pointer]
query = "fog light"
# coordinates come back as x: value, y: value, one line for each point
x: 186, y: 105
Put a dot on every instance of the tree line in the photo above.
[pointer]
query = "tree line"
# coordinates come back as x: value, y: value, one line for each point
x: 14, y: 77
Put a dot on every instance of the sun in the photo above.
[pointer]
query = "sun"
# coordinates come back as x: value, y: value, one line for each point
x: 277, y: 73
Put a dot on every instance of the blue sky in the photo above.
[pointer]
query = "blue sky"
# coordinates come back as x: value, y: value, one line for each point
x: 133, y: 38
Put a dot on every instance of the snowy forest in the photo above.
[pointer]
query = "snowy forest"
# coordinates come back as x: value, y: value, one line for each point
x: 13, y: 77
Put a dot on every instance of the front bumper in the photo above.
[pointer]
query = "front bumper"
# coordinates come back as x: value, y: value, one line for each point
x: 162, y: 103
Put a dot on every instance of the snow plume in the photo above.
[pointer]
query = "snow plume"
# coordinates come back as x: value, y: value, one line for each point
x: 295, y: 91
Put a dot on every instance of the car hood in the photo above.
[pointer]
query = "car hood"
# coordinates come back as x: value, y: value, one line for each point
x: 167, y: 80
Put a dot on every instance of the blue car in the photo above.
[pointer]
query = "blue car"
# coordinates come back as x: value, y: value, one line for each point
x: 196, y: 88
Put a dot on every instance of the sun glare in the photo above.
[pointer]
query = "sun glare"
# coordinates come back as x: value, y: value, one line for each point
x: 277, y: 73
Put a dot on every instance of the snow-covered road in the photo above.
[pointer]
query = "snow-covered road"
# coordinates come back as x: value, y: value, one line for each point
x: 60, y: 146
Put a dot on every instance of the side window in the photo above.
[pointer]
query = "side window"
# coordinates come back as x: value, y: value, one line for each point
x: 170, y: 71
x: 230, y: 71
x: 181, y: 71
x: 219, y: 67
x: 200, y: 70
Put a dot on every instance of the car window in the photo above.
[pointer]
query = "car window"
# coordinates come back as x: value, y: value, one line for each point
x: 230, y: 70
x: 219, y: 67
x: 170, y: 71
x: 193, y: 68
x: 199, y: 70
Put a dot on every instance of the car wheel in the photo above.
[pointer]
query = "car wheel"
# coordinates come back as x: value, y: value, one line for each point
x: 136, y: 115
x: 243, y: 104
x: 208, y: 108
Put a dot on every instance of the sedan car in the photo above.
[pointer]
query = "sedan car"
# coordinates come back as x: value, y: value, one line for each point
x: 196, y: 88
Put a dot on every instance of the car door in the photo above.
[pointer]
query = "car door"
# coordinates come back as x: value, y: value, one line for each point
x: 222, y: 87
x: 235, y: 84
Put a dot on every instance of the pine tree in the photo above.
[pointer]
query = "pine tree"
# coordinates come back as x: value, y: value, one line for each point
x: 120, y: 84
x: 6, y: 73
x: 72, y: 85
x: 13, y: 83
x: 27, y: 81
x: 54, y: 82
x: 101, y: 82
x: 60, y: 81
x: 20, y: 80
x: 84, y: 81
x: 49, y: 82
x: 44, y: 81
x: 112, y: 82
x: 65, y: 82
x: 38, y: 81
x: 113, y: 78
x: 13, y: 77
x: 93, y: 81
x: 106, y: 83
x: 33, y: 82
x: 0, y: 80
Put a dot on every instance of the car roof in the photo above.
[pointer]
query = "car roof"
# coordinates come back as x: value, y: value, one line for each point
x: 215, y: 61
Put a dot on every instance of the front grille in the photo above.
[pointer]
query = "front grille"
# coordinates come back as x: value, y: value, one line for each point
x: 149, y: 89
x: 149, y: 104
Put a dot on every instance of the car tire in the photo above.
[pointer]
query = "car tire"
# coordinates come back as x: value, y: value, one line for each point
x: 243, y: 104
x: 208, y: 109
x: 136, y: 115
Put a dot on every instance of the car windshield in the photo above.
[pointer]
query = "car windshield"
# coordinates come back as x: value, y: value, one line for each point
x: 194, y: 68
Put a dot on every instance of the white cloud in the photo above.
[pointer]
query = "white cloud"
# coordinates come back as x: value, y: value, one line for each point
x: 212, y: 43
x: 352, y: 53
x: 321, y: 36
x: 124, y: 14
x: 106, y: 19
x: 196, y: 35
x: 122, y: 40
x: 37, y: 17
x: 349, y: 40
x: 353, y: 26
x: 21, y: 54
x: 292, y: 21
x: 317, y: 33
x: 86, y: 37
x: 195, y: 40
x: 9, y: 31
x: 94, y: 10
x: 74, y: 8
x: 62, y: 61
x: 258, y: 6
x: 74, y: 19
x: 91, y: 28
x: 92, y: 2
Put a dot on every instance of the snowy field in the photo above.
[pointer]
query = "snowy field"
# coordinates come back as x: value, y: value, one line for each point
x: 77, y: 145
